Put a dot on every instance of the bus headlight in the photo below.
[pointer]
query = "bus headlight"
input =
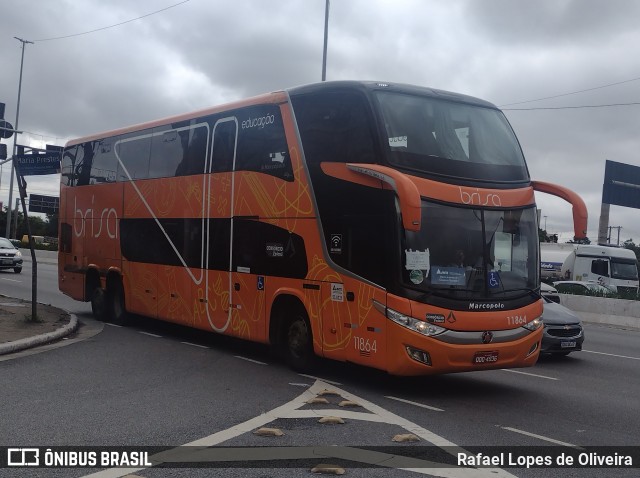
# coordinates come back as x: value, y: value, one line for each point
x: 535, y: 324
x: 410, y: 323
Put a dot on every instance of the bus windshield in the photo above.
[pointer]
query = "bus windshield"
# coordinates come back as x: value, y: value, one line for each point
x: 467, y: 253
x: 445, y: 138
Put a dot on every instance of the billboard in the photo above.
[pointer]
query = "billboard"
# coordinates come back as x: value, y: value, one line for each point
x: 621, y: 185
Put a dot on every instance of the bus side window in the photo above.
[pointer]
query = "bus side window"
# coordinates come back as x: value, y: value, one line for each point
x: 262, y: 145
x: 132, y: 152
x: 68, y: 169
x: 224, y: 138
x: 103, y: 166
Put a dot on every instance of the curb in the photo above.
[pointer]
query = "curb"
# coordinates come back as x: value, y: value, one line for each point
x: 29, y: 342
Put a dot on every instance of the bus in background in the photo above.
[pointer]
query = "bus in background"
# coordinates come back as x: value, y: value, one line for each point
x: 391, y: 226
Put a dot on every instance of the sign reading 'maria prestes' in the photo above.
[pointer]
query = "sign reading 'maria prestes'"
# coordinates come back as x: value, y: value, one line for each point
x: 38, y: 163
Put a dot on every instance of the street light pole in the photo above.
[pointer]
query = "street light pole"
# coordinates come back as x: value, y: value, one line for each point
x: 8, y: 231
x: 326, y: 38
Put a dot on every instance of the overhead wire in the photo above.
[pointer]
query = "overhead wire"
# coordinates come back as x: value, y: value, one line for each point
x: 112, y: 26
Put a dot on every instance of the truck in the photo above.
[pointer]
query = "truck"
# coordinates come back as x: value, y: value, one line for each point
x: 552, y: 256
x: 613, y: 267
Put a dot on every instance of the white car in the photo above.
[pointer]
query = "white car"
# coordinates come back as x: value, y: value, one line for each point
x: 582, y: 288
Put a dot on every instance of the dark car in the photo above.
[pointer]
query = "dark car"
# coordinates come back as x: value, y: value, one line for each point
x: 563, y: 331
x: 10, y: 257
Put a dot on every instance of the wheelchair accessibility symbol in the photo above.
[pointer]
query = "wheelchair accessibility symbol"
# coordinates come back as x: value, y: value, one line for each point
x: 493, y: 279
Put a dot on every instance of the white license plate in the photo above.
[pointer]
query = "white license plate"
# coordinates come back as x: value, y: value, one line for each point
x: 568, y: 345
x: 485, y: 357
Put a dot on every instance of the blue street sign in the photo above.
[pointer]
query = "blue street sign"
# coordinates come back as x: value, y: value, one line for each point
x: 37, y: 163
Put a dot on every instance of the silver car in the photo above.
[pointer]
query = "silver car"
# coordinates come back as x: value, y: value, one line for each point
x: 563, y: 332
x: 10, y: 257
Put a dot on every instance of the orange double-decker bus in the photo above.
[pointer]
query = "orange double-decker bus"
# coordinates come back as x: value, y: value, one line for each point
x: 391, y: 226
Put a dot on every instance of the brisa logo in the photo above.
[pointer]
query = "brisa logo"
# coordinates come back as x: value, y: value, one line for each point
x: 107, y: 220
x: 260, y: 122
x: 475, y: 198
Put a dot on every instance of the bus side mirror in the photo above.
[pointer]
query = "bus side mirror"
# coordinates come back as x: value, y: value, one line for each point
x: 376, y: 176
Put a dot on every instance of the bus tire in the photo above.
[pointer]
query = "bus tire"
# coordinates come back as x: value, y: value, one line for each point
x: 99, y: 303
x: 118, y: 312
x: 298, y: 342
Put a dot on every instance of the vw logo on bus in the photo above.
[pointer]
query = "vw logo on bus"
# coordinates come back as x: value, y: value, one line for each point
x: 487, y: 337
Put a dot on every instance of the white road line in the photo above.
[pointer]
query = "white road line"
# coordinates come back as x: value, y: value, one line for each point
x: 11, y: 280
x: 612, y: 355
x: 250, y: 360
x: 149, y: 334
x: 195, y: 345
x: 415, y: 403
x: 541, y: 437
x: 529, y: 374
x: 114, y: 325
x: 294, y: 408
x: 318, y: 378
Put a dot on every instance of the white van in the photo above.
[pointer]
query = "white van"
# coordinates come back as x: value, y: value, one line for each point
x: 613, y: 267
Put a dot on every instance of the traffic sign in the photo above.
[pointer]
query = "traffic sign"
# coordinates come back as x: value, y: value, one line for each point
x: 6, y: 129
x: 37, y: 163
x: 44, y: 204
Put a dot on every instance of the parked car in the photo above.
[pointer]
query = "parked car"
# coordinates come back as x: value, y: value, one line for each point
x: 582, y: 288
x: 549, y: 292
x: 10, y: 257
x: 563, y: 331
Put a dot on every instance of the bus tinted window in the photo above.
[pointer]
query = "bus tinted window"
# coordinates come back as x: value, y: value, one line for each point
x: 132, y: 151
x: 335, y: 126
x: 449, y: 138
x: 224, y: 145
x: 67, y: 170
x: 178, y: 151
x: 104, y: 164
x: 262, y: 145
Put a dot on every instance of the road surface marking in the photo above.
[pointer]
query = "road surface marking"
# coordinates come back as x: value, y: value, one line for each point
x: 529, y: 374
x: 541, y: 437
x: 296, y: 408
x: 612, y: 355
x: 415, y: 403
x: 150, y: 334
x: 318, y: 378
x: 114, y: 325
x: 11, y: 280
x: 250, y: 360
x: 195, y: 345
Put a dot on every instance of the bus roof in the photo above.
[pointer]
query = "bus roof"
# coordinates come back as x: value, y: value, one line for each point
x: 281, y: 96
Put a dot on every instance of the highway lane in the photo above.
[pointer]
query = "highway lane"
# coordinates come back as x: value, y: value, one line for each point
x: 156, y: 383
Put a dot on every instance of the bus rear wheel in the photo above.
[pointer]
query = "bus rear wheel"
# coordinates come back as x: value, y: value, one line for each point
x: 118, y: 312
x: 99, y: 303
x: 298, y: 343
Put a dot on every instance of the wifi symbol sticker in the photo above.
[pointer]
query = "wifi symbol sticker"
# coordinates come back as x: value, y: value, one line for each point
x: 336, y: 244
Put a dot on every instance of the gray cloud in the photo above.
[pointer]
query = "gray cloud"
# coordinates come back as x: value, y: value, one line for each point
x: 207, y: 52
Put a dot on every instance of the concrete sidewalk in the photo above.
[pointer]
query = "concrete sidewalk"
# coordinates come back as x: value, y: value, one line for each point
x: 18, y: 332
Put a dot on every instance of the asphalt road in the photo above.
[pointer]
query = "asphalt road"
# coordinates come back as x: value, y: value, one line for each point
x: 154, y: 384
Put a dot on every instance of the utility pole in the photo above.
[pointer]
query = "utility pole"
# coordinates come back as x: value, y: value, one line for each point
x: 326, y: 39
x: 13, y: 168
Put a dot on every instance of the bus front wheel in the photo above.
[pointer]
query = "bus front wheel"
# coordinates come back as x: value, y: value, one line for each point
x: 298, y: 343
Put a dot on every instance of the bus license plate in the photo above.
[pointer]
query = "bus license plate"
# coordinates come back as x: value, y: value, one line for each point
x: 485, y: 357
x: 568, y: 345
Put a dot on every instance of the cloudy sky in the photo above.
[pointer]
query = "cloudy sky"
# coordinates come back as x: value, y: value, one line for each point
x: 570, y: 56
